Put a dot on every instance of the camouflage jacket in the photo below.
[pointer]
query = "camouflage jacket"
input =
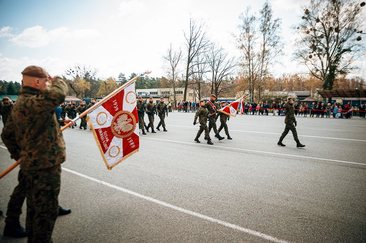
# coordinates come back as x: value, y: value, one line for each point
x: 140, y: 105
x: 161, y: 108
x: 150, y: 108
x: 202, y: 114
x: 5, y: 110
x: 223, y: 117
x: 32, y: 133
x: 212, y: 109
x: 290, y: 114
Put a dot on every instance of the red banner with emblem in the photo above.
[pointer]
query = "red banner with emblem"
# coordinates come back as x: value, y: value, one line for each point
x: 115, y: 126
x: 232, y: 108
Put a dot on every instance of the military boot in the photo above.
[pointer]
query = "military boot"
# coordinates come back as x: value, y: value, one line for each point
x: 209, y: 142
x: 63, y: 211
x: 230, y: 138
x: 196, y: 140
x: 158, y: 128
x: 14, y: 230
x: 299, y: 145
x: 219, y: 137
x: 281, y: 144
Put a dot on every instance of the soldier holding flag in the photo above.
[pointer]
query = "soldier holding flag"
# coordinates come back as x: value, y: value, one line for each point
x: 211, y: 106
x: 223, y: 122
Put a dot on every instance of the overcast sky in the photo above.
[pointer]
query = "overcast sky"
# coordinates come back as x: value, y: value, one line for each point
x: 125, y: 36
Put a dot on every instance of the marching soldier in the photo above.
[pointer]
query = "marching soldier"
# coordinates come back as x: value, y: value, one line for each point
x: 33, y: 136
x: 202, y: 113
x: 82, y: 107
x: 223, y: 122
x: 71, y: 112
x: 150, y: 111
x: 141, y: 113
x: 212, y: 115
x: 162, y: 109
x: 291, y: 123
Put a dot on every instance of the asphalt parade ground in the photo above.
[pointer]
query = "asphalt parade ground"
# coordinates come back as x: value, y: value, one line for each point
x: 243, y: 190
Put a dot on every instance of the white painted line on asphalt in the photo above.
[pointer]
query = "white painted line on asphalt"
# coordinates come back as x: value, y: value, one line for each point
x: 275, y: 133
x: 179, y: 209
x: 260, y: 152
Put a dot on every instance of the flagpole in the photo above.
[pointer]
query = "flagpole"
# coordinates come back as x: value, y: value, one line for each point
x: 87, y: 111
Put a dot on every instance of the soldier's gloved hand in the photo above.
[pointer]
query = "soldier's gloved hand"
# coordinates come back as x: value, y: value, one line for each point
x: 295, y: 123
x: 194, y: 123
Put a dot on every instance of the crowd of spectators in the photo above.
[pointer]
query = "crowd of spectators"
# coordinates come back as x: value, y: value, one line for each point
x: 306, y: 109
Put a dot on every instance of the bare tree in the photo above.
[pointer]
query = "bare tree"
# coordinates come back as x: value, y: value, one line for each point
x: 246, y: 44
x: 329, y: 38
x: 173, y: 58
x: 200, y: 68
x: 220, y: 66
x: 259, y: 43
x: 196, y: 43
x: 82, y: 81
x: 271, y: 45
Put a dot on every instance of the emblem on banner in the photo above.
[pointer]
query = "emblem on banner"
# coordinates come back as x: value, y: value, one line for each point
x: 101, y: 118
x: 123, y: 124
x: 131, y: 97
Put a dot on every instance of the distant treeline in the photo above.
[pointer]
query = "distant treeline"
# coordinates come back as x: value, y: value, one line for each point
x: 9, y: 88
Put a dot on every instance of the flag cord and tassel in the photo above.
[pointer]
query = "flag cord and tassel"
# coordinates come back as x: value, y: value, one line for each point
x: 87, y: 111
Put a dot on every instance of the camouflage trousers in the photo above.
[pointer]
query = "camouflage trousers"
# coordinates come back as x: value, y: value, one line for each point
x: 203, y: 127
x: 83, y: 123
x: 151, y: 122
x: 224, y: 126
x: 16, y: 201
x: 162, y: 121
x: 42, y: 190
x: 292, y: 128
x: 212, y: 125
x: 141, y: 121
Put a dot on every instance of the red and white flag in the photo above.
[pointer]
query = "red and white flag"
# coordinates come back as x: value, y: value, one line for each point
x: 232, y: 108
x: 115, y: 126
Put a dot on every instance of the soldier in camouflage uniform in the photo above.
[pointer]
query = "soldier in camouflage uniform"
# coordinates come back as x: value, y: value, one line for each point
x: 291, y: 123
x: 141, y: 113
x: 5, y: 108
x: 150, y: 111
x: 162, y: 109
x: 82, y: 107
x: 33, y: 136
x: 211, y: 106
x: 202, y: 114
x: 71, y: 112
x: 223, y: 122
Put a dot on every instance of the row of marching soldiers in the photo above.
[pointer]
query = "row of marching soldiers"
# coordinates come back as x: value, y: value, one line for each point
x: 71, y: 110
x: 208, y: 112
x: 150, y: 108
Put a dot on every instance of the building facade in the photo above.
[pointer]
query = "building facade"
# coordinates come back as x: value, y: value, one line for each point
x: 167, y: 93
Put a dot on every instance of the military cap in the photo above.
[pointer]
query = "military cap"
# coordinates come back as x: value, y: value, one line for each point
x: 212, y: 95
x: 35, y: 71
